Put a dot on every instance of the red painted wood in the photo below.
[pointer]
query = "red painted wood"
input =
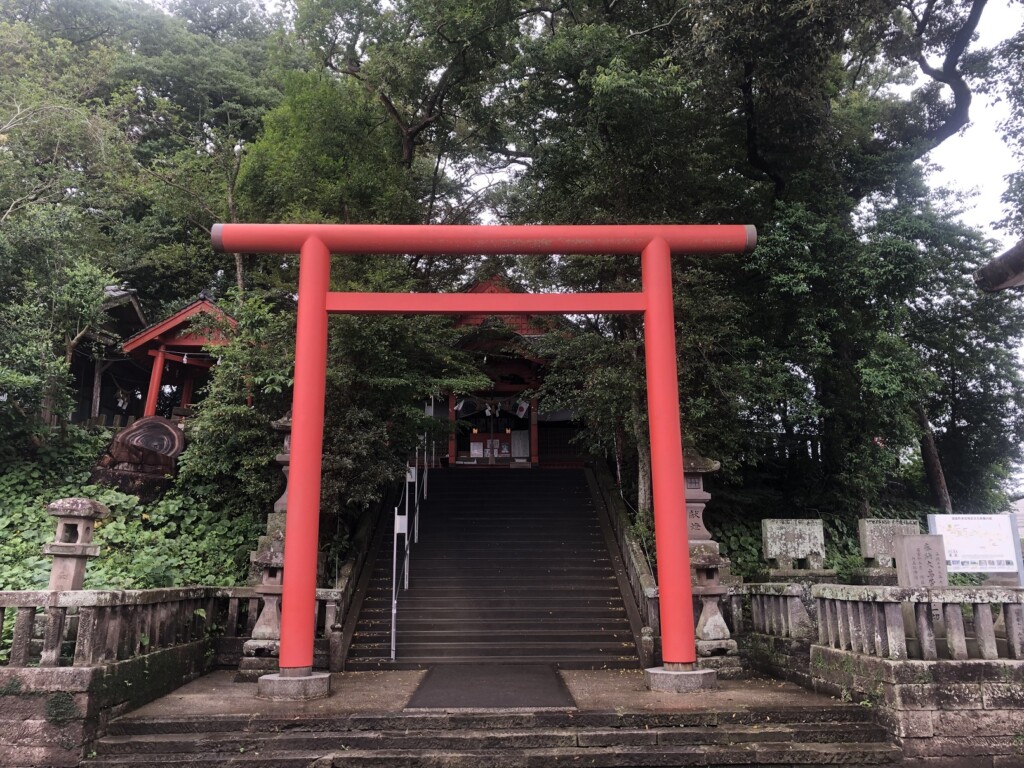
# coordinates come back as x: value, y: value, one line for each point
x: 156, y: 376
x: 467, y: 239
x: 186, y: 389
x: 671, y: 537
x: 302, y: 522
x: 491, y: 303
x: 656, y: 245
x: 174, y: 325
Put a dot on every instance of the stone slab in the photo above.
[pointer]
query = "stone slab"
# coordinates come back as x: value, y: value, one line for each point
x: 878, y: 538
x: 670, y: 681
x: 787, y: 542
x: 920, y: 561
x: 316, y: 685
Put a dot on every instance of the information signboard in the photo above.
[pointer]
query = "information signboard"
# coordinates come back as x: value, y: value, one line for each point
x: 979, y: 543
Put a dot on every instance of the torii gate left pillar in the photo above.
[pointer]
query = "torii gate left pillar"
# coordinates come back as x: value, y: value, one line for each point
x: 316, y: 243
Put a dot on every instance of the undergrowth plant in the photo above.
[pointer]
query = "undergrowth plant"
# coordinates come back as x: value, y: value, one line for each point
x: 174, y: 541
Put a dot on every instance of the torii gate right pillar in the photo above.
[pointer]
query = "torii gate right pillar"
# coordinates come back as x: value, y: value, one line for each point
x: 671, y: 538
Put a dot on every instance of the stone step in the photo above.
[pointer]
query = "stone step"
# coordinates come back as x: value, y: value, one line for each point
x: 512, y: 553
x: 500, y: 554
x: 470, y: 635
x: 454, y: 613
x: 708, y: 756
x: 475, y: 604
x: 478, y: 739
x: 405, y: 649
x: 575, y: 661
x: 483, y: 569
x: 767, y: 754
x: 601, y: 583
x: 719, y: 720
x: 532, y: 625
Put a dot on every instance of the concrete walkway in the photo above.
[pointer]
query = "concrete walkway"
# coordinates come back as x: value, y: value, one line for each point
x: 620, y: 691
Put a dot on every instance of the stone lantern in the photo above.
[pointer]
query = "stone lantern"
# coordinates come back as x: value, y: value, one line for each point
x: 72, y: 546
x: 260, y: 652
x: 715, y: 647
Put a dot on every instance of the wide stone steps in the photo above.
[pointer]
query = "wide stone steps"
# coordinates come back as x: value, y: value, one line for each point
x: 433, y: 740
x: 509, y: 567
x: 383, y: 637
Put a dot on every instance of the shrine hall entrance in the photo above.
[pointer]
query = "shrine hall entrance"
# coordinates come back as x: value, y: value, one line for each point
x: 492, y: 431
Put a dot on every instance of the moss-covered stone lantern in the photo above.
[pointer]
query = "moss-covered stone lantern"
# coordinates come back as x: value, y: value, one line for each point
x: 72, y: 546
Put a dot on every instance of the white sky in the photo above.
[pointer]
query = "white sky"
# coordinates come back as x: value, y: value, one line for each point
x: 977, y: 159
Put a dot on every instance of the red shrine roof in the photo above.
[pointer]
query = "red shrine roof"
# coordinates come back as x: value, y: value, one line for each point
x: 176, y: 332
x: 524, y: 325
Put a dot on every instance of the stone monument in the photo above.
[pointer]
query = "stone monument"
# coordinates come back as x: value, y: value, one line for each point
x: 921, y: 562
x: 795, y: 551
x: 878, y: 547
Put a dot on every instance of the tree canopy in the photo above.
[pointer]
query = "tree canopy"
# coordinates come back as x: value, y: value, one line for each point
x: 848, y: 361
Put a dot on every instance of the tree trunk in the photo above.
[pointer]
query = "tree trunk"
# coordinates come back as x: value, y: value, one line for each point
x: 644, y: 493
x: 932, y: 464
x: 99, y: 366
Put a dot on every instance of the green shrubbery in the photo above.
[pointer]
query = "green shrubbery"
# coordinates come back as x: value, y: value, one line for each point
x: 173, y: 541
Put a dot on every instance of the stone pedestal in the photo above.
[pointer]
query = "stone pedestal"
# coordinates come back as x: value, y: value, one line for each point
x: 878, y: 577
x: 72, y: 545
x: 278, y: 687
x: 668, y: 680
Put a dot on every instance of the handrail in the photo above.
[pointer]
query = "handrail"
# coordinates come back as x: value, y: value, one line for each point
x: 419, y: 494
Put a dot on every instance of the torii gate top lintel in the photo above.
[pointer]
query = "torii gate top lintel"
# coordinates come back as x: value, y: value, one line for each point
x: 316, y: 242
x: 485, y: 240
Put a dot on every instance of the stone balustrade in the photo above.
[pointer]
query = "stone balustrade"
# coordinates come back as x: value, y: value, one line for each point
x: 642, y: 583
x: 85, y: 628
x: 777, y: 610
x: 971, y: 622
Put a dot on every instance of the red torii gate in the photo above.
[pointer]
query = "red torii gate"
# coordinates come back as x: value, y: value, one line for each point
x: 316, y: 242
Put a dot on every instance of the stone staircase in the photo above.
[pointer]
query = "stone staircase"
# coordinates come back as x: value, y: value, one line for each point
x: 511, y: 567
x: 800, y: 736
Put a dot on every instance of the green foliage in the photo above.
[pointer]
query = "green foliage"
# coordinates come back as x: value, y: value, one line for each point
x: 323, y: 157
x: 58, y: 469
x: 228, y: 463
x: 811, y: 368
x: 171, y: 542
x: 174, y: 541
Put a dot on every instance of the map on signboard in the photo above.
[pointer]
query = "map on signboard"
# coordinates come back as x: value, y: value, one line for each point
x: 978, y: 543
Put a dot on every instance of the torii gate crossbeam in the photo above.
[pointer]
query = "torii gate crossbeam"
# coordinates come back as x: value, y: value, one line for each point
x: 316, y: 242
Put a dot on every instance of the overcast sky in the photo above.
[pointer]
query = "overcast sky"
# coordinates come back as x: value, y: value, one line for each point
x: 978, y: 158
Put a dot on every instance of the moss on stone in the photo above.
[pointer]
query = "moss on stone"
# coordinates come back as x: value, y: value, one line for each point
x: 60, y: 708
